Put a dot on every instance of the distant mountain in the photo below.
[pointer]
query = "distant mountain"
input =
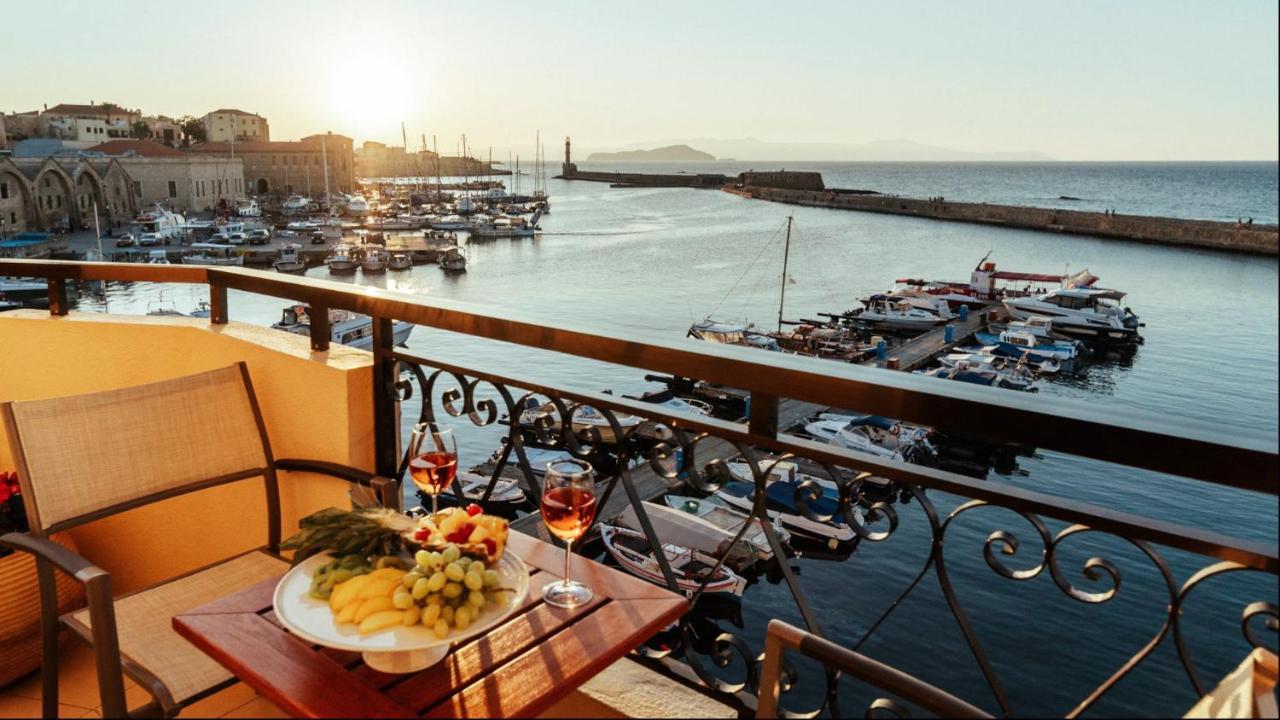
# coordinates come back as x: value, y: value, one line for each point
x: 752, y: 149
x: 668, y: 154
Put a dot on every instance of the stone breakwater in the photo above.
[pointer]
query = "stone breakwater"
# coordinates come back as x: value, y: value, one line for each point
x: 1228, y: 236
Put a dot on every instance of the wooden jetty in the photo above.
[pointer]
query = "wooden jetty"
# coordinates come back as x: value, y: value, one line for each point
x: 919, y: 350
x: 649, y: 484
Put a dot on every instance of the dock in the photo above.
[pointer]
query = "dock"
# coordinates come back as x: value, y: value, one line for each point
x: 919, y: 350
x: 650, y: 485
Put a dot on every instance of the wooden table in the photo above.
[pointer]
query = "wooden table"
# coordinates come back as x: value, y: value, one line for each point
x: 520, y: 668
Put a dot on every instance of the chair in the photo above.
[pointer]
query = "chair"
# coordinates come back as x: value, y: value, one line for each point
x: 184, y: 435
x: 781, y: 635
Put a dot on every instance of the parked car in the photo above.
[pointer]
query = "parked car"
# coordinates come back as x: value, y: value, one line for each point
x: 125, y: 240
x: 260, y: 236
x: 317, y: 238
x: 148, y: 240
x: 237, y: 239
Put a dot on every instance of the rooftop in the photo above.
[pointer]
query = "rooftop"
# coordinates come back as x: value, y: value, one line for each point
x: 138, y: 148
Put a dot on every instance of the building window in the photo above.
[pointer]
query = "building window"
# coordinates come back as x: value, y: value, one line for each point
x: 4, y: 191
x: 13, y: 218
x: 59, y: 199
x: 219, y: 187
x: 173, y: 189
x: 137, y: 188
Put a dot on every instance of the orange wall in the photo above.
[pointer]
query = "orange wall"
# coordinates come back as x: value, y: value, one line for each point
x: 315, y: 405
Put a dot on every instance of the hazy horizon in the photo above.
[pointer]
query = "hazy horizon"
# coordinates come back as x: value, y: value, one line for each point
x: 1141, y: 81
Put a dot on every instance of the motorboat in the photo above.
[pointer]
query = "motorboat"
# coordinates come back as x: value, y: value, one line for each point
x: 218, y: 254
x: 158, y: 257
x: 1019, y: 378
x: 375, y: 259
x: 23, y: 288
x: 357, y: 206
x: 586, y: 419
x: 451, y: 223
x: 671, y: 402
x: 503, y: 227
x: 892, y: 311
x: 1088, y: 314
x: 400, y: 261
x: 712, y: 331
x: 290, y: 261
x: 691, y: 568
x: 782, y: 506
x: 874, y: 435
x: 296, y: 203
x: 342, y: 260
x: 506, y: 492
x: 715, y: 512
x: 1031, y: 337
x: 346, y: 328
x: 673, y: 525
x: 453, y: 261
x: 992, y: 357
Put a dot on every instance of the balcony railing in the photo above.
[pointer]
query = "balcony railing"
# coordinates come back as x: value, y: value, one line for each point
x: 692, y: 449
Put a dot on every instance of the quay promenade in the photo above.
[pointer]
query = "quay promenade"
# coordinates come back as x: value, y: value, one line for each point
x: 1241, y: 237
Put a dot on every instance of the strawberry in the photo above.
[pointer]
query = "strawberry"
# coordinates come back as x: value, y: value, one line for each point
x: 474, y: 510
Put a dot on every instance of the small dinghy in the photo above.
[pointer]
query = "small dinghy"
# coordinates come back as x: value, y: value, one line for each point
x: 1019, y: 378
x: 989, y: 358
x: 507, y: 494
x: 780, y: 503
x: 713, y: 510
x: 690, y: 567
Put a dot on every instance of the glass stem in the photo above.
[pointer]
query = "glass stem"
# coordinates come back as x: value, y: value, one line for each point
x: 568, y: 554
x: 435, y: 503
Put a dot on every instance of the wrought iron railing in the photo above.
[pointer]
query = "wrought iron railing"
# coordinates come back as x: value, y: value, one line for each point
x: 690, y: 450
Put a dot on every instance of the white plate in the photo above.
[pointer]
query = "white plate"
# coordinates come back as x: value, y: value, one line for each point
x: 397, y: 649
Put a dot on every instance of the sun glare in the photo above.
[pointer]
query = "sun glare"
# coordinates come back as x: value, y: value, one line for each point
x: 368, y: 96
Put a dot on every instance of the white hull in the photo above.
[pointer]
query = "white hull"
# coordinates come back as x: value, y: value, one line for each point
x: 202, y: 260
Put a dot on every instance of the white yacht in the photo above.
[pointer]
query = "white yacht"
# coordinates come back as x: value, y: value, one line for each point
x: 1085, y: 313
x: 898, y: 312
x: 873, y: 435
x: 290, y: 261
x: 342, y: 260
x: 347, y: 328
x: 357, y: 206
x: 296, y: 203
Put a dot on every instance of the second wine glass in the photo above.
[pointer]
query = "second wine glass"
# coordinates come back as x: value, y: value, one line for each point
x: 433, y: 460
x: 568, y: 508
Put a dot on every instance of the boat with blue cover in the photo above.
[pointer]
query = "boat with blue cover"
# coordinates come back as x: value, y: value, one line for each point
x: 782, y: 505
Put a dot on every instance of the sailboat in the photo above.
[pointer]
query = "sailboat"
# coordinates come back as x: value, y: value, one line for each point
x: 730, y: 333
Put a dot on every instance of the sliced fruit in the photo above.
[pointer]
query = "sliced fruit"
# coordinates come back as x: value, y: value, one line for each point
x: 377, y: 587
x: 372, y: 606
x: 347, y: 591
x: 381, y: 621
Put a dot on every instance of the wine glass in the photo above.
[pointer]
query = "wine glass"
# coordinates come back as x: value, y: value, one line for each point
x: 568, y: 507
x: 433, y: 460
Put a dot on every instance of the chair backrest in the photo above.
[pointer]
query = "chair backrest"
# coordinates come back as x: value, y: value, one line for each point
x: 84, y: 457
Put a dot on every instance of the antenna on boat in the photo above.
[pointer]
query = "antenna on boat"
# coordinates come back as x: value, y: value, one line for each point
x: 786, y: 255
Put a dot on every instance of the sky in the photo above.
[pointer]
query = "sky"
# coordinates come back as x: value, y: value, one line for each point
x: 1089, y: 80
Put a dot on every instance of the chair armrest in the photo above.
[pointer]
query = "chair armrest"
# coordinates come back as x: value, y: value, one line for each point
x: 386, y: 489
x: 62, y: 558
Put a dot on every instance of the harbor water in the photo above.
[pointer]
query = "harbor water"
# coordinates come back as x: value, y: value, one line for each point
x: 648, y: 262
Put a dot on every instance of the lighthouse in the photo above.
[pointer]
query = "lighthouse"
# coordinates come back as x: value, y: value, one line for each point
x: 568, y: 169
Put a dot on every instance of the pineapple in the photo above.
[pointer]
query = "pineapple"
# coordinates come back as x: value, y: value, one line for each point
x: 475, y: 534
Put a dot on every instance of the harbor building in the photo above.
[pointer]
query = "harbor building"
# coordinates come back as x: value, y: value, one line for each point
x: 374, y: 159
x: 58, y: 193
x: 288, y: 168
x: 228, y: 124
x: 180, y: 181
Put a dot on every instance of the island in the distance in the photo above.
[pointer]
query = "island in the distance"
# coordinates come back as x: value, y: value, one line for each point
x: 671, y: 153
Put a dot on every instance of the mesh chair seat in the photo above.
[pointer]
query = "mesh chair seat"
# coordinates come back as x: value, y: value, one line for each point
x: 144, y: 622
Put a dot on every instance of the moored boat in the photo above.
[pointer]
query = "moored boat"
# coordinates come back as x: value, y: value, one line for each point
x: 1088, y: 314
x: 341, y: 260
x: 400, y: 261
x: 290, y: 261
x: 346, y: 328
x: 452, y: 260
x: 375, y: 259
x: 690, y: 567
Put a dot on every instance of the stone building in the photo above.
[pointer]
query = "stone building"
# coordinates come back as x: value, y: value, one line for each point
x: 82, y: 123
x: 50, y: 194
x: 164, y: 130
x: 288, y: 168
x: 180, y: 181
x: 23, y: 125
x: 229, y: 124
x: 375, y: 159
x: 4, y: 141
x: 783, y: 179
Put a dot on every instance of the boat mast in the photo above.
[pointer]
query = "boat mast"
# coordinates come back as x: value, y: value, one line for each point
x: 324, y: 155
x: 786, y: 255
x: 435, y: 148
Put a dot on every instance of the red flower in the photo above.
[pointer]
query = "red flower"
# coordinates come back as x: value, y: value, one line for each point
x: 5, y: 493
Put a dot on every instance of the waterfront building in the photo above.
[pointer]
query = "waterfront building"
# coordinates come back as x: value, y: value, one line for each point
x: 374, y: 159
x: 92, y: 122
x: 295, y: 167
x: 59, y: 193
x: 228, y: 124
x: 180, y: 181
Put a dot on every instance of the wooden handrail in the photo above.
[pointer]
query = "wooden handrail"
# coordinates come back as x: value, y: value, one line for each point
x: 1236, y: 457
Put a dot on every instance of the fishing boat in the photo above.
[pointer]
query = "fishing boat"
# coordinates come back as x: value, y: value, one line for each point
x: 400, y: 261
x: 341, y: 260
x: 375, y: 259
x: 690, y: 567
x: 1018, y: 378
x: 453, y: 261
x: 346, y: 328
x: 675, y: 526
x: 782, y: 506
x: 213, y: 254
x: 1088, y: 314
x: 290, y: 261
x: 503, y: 227
x: 714, y: 511
x: 873, y: 435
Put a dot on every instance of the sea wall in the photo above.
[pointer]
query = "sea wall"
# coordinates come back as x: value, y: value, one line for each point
x: 1228, y: 236
x: 648, y: 179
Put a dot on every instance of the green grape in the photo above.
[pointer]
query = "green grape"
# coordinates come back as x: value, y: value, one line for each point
x: 462, y: 618
x: 454, y: 572
x: 446, y: 613
x: 473, y: 581
x: 402, y: 601
x: 422, y: 557
x: 430, y: 614
x: 436, y: 582
x: 435, y: 599
x: 420, y: 589
x: 476, y: 599
x: 441, y: 629
x: 410, y: 578
x: 451, y: 553
x: 452, y: 590
x: 490, y: 578
x: 500, y: 598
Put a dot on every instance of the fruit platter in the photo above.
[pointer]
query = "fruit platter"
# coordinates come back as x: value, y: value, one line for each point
x: 399, y: 589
